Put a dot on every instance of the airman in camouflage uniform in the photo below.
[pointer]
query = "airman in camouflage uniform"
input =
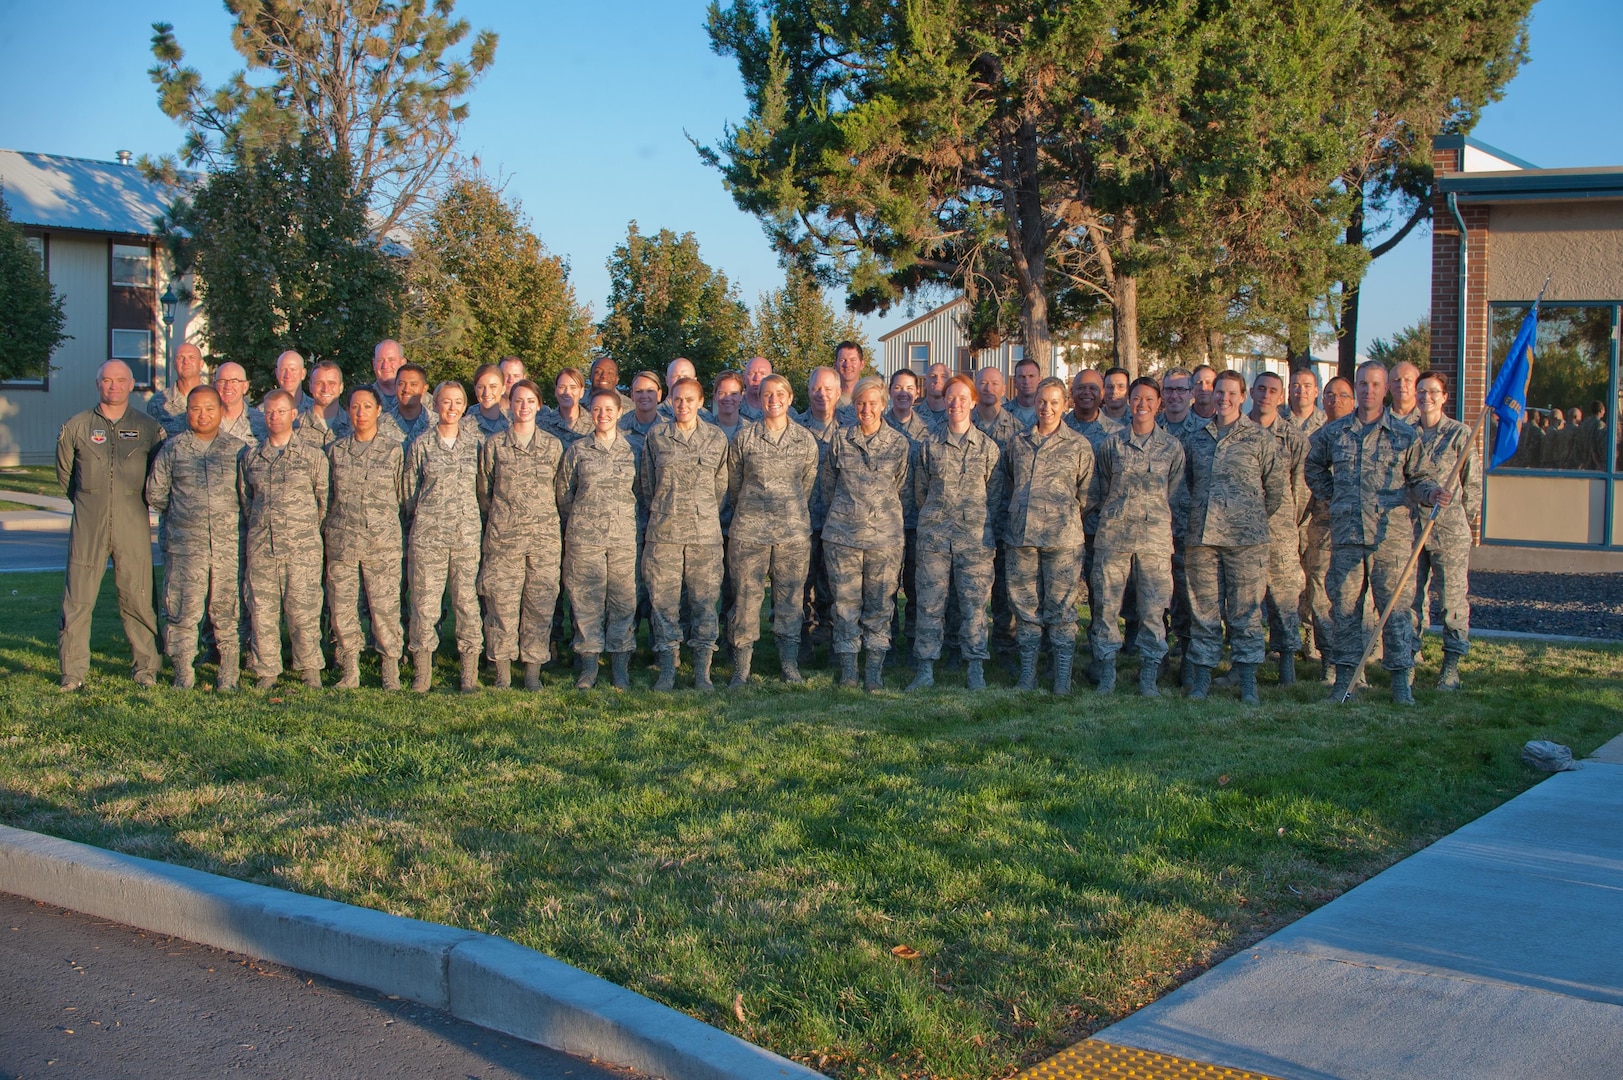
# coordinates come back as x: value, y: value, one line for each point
x: 488, y: 418
x: 682, y: 479
x: 1285, y: 580
x: 597, y: 502
x: 568, y: 389
x: 439, y: 491
x: 523, y: 539
x: 326, y: 386
x: 817, y: 620
x: 1027, y: 374
x: 1086, y: 419
x: 1447, y: 554
x: 365, y: 542
x: 283, y: 485
x: 238, y: 419
x: 1047, y: 471
x: 1368, y: 466
x: 194, y: 485
x: 1178, y: 419
x: 1236, y: 485
x: 770, y: 482
x: 168, y: 406
x: 903, y: 417
x: 1138, y: 486
x: 957, y: 481
x: 863, y: 533
x: 1312, y: 610
x: 992, y: 419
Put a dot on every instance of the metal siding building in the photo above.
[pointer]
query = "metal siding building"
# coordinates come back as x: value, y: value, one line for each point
x: 937, y: 337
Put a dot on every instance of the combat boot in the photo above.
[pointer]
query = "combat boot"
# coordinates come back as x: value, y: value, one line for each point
x: 1287, y: 668
x: 312, y: 678
x: 805, y: 652
x: 848, y: 670
x: 1186, y: 672
x: 1403, y: 686
x: 588, y: 671
x: 470, y: 672
x: 701, y: 669
x: 185, y: 677
x: 667, y: 670
x: 1106, y: 670
x: 923, y: 675
x: 1343, y: 687
x: 1449, y: 677
x: 1200, y: 683
x: 349, y: 663
x: 1028, y: 669
x: 390, y: 670
x: 1248, y: 683
x: 1148, y: 672
x: 422, y: 671
x: 226, y: 677
x: 1327, y: 673
x: 874, y: 675
x: 265, y: 683
x: 743, y: 657
x: 975, y: 675
x: 504, y: 674
x: 620, y: 670
x: 532, y: 676
x: 788, y: 657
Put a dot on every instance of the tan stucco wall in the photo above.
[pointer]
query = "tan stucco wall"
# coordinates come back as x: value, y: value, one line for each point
x: 1579, y: 244
x: 1546, y: 509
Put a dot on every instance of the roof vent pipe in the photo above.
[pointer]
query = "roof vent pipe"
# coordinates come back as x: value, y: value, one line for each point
x: 124, y: 157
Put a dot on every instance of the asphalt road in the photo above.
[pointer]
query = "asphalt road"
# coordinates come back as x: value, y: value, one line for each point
x: 81, y: 997
x: 31, y: 542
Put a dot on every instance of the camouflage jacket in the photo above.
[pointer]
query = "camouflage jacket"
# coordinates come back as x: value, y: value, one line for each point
x: 283, y: 492
x: 863, y: 486
x: 1001, y: 427
x: 823, y: 434
x: 518, y: 492
x: 363, y: 518
x: 551, y: 421
x: 407, y: 431
x: 194, y: 485
x: 438, y: 490
x: 958, y: 483
x: 481, y: 427
x: 682, y: 479
x: 1048, y: 479
x: 1024, y: 415
x: 1307, y: 425
x: 1441, y: 447
x: 1291, y: 446
x: 248, y: 428
x: 1367, y: 474
x: 323, y: 430
x: 169, y: 409
x: 1138, y: 486
x: 770, y: 484
x: 597, y: 493
x: 916, y: 431
x: 1236, y: 483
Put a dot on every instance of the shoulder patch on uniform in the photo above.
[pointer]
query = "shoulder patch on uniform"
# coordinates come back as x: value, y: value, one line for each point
x: 98, y: 436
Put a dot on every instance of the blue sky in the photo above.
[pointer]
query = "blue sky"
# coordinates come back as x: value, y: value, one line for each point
x: 587, y: 111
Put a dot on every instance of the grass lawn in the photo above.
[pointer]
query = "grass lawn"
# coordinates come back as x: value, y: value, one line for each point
x: 941, y: 886
x: 6, y: 506
x: 34, y: 479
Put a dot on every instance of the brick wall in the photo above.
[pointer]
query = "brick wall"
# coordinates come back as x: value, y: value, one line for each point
x: 1445, y: 294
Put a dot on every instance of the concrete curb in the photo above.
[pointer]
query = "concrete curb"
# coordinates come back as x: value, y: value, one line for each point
x: 482, y: 979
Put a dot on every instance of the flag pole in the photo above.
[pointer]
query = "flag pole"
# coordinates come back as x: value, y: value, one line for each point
x: 1425, y: 534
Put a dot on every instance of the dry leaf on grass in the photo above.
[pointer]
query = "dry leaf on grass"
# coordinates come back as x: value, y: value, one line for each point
x: 738, y: 1008
x: 906, y: 952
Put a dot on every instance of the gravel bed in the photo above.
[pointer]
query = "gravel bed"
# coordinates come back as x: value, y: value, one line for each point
x: 1580, y: 605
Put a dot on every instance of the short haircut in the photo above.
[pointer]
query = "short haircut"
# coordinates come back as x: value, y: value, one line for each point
x: 962, y: 380
x: 1058, y: 384
x: 203, y: 388
x: 450, y: 384
x: 327, y: 365
x: 1198, y: 368
x: 511, y: 359
x: 1177, y: 373
x: 726, y: 376
x: 1109, y: 371
x: 1306, y: 371
x: 844, y: 345
x: 603, y: 392
x: 1368, y: 365
x: 1024, y: 360
x: 1270, y: 375
x: 526, y: 384
x: 1145, y: 381
x: 653, y: 377
x: 414, y: 369
x: 865, y: 384
x: 1230, y: 376
x: 811, y: 379
x: 1337, y: 379
x: 369, y: 390
x: 277, y: 393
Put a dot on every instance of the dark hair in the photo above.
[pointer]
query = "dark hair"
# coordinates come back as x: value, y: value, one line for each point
x: 417, y: 368
x: 486, y: 369
x: 201, y: 388
x: 1109, y: 371
x: 1440, y: 379
x: 899, y: 372
x: 842, y: 346
x: 1018, y: 364
x: 526, y: 384
x: 1145, y: 380
x: 1231, y: 376
x: 368, y: 390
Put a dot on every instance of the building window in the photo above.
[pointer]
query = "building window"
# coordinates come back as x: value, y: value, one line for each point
x: 132, y: 266
x: 38, y: 244
x: 134, y: 347
x: 1568, y: 425
x: 918, y: 356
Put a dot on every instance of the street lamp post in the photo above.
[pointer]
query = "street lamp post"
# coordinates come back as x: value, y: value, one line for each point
x: 168, y: 300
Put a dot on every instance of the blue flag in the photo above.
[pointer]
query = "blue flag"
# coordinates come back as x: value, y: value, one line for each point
x: 1508, y: 396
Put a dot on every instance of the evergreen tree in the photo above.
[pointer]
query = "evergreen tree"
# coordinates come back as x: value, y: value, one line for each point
x: 796, y: 328
x: 31, y: 316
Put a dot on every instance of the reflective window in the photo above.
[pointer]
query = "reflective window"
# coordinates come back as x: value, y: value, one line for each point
x: 132, y: 265
x: 134, y: 347
x: 1567, y: 424
x: 918, y: 356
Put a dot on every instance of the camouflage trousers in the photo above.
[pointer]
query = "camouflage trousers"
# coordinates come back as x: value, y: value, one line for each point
x: 1447, y: 562
x: 750, y: 565
x: 278, y: 585
x: 1149, y: 578
x: 1043, y: 588
x: 1178, y: 615
x: 1284, y: 595
x: 961, y: 572
x: 520, y: 588
x: 432, y: 569
x: 602, y: 585
x: 1360, y: 572
x: 1313, y: 610
x: 194, y: 586
x: 1226, y: 587
x: 817, y: 615
x: 908, y: 582
x: 1002, y: 625
x: 864, y: 585
x: 683, y: 572
x: 379, y: 578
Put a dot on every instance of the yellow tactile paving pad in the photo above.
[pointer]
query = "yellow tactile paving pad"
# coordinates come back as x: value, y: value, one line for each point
x: 1095, y: 1060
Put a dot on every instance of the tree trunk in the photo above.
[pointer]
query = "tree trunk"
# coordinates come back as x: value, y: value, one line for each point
x: 1214, y: 349
x: 1299, y: 340
x: 1038, y: 343
x: 1124, y: 302
x: 1347, y: 343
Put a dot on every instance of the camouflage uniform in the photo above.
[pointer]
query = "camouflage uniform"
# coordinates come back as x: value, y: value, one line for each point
x: 682, y: 479
x: 958, y: 484
x: 770, y: 484
x: 102, y: 465
x: 668, y: 415
x: 1367, y: 473
x: 750, y: 413
x: 630, y: 425
x: 194, y: 485
x: 324, y: 431
x: 283, y: 491
x: 551, y: 421
x: 1096, y: 431
x: 168, y: 408
x: 1047, y: 479
x: 474, y: 422
x: 439, y: 492
x: 817, y: 618
x: 248, y: 428
x: 1411, y: 418
x: 523, y: 544
x: 1312, y: 548
x: 1285, y: 580
x: 1137, y: 482
x: 1003, y: 427
x: 1447, y: 555
x: 1178, y: 616
x: 1236, y: 484
x: 597, y: 503
x: 365, y: 545
x: 1024, y: 415
x: 407, y: 431
x: 916, y: 432
x: 863, y: 533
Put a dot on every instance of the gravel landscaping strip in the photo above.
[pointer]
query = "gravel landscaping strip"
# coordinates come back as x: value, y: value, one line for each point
x: 1580, y: 605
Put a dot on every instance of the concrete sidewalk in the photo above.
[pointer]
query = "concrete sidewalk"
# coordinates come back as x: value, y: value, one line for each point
x: 1496, y: 952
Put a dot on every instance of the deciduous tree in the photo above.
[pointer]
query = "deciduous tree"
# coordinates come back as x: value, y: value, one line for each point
x: 796, y: 328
